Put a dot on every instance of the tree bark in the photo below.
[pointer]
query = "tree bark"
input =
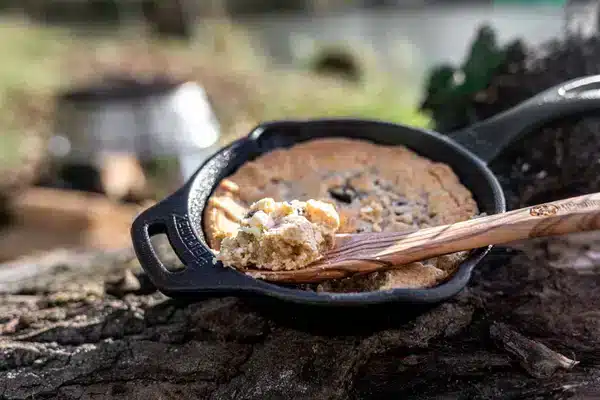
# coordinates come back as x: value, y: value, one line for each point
x: 82, y: 326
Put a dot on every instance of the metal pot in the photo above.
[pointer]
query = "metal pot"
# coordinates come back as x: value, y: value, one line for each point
x: 152, y: 119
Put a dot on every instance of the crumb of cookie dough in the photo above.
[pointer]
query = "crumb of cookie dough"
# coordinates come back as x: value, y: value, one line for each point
x: 281, y: 235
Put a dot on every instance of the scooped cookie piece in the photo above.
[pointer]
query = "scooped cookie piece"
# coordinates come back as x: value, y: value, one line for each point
x: 281, y: 235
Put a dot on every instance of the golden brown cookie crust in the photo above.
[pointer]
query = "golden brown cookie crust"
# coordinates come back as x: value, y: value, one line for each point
x: 374, y: 188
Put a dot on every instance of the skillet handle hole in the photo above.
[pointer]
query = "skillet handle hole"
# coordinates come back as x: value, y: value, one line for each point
x: 582, y: 88
x: 163, y: 249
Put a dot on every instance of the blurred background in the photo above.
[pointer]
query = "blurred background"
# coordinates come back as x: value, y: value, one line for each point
x: 109, y: 105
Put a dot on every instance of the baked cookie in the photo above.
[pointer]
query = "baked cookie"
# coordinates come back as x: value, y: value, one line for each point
x: 374, y: 188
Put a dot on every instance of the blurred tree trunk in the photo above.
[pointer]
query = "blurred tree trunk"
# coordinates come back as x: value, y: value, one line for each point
x: 171, y: 18
x: 582, y: 17
x: 35, y: 9
x: 213, y: 8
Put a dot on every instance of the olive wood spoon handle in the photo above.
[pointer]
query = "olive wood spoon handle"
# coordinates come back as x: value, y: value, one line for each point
x: 363, y: 253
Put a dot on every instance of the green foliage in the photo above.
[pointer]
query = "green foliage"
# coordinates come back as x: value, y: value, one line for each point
x: 309, y: 96
x: 9, y: 143
x: 484, y: 58
x: 450, y: 90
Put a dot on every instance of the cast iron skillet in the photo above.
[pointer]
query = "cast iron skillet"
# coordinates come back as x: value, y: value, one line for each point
x: 179, y: 216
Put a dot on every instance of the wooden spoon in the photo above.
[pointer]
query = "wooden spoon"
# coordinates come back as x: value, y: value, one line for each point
x: 363, y: 253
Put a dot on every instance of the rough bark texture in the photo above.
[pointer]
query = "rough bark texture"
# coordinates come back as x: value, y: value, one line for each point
x: 85, y: 326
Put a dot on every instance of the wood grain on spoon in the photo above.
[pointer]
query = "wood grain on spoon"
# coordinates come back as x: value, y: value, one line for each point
x: 363, y: 253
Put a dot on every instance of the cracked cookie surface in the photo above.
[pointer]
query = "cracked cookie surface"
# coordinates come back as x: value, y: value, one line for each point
x: 374, y: 188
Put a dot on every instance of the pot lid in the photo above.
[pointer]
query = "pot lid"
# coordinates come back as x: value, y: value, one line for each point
x: 113, y: 87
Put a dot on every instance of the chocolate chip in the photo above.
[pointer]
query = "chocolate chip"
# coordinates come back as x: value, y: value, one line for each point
x: 345, y: 194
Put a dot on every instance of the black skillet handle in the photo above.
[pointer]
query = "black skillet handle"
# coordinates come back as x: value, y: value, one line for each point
x: 201, y: 273
x: 488, y: 138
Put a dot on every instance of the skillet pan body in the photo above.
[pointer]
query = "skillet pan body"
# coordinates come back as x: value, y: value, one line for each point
x: 179, y: 216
